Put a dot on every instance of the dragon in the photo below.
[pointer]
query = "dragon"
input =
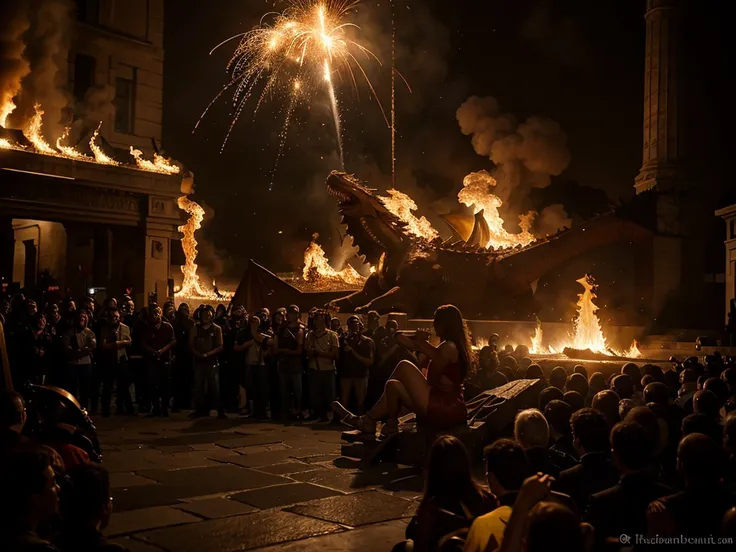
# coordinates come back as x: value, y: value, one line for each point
x: 415, y: 275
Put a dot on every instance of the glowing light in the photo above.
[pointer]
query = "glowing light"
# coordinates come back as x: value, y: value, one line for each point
x: 480, y: 342
x: 4, y: 144
x: 317, y: 268
x: 587, y: 332
x: 69, y: 151
x: 401, y: 206
x: 33, y: 133
x: 477, y: 193
x: 100, y: 156
x: 305, y: 44
x: 6, y: 108
x: 159, y: 164
x: 191, y: 286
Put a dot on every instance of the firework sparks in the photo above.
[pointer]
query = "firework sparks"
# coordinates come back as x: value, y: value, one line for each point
x: 296, y: 55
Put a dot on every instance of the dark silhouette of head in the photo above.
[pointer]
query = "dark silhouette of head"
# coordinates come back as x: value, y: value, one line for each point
x: 719, y: 388
x: 558, y: 414
x: 506, y: 466
x: 631, y: 447
x: 644, y: 416
x: 448, y: 470
x: 553, y: 527
x: 549, y: 394
x: 534, y: 371
x: 706, y: 402
x: 632, y: 370
x: 558, y: 377
x: 580, y: 369
x: 699, y: 460
x: 623, y: 385
x: 590, y: 431
x: 596, y: 383
x: 606, y: 402
x: 578, y: 382
x: 575, y: 400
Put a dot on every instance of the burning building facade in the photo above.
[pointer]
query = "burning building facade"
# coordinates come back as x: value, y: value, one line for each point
x: 86, y: 198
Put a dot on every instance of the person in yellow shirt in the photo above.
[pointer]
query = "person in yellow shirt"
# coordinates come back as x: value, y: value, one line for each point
x: 506, y: 469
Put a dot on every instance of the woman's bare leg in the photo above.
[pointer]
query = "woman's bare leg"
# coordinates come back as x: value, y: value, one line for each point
x: 415, y: 384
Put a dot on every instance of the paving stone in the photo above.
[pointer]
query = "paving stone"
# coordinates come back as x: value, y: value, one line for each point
x: 286, y: 468
x: 255, y: 449
x: 341, y: 480
x: 177, y: 484
x: 194, y: 439
x: 249, y: 441
x: 215, y: 508
x: 356, y: 509
x: 122, y: 480
x: 319, y: 459
x: 171, y: 449
x: 146, y: 459
x: 373, y: 538
x: 122, y: 523
x: 283, y: 495
x: 239, y: 533
x: 133, y: 545
x: 259, y: 459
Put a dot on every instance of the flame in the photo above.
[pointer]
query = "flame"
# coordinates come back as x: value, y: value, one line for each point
x: 4, y: 144
x: 537, y: 347
x: 401, y: 206
x: 317, y: 267
x: 100, y: 156
x: 480, y: 342
x: 33, y: 133
x: 191, y: 286
x: 159, y: 164
x: 6, y: 108
x: 477, y: 193
x: 68, y: 151
x: 587, y: 332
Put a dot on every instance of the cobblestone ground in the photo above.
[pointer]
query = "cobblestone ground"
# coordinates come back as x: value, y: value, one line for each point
x: 213, y: 485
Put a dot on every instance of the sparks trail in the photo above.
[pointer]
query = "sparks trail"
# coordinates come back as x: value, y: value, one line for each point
x: 293, y: 56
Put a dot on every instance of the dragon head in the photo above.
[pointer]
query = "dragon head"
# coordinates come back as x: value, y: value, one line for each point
x: 374, y: 229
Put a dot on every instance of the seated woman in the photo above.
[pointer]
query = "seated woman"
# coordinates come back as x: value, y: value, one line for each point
x: 437, y: 398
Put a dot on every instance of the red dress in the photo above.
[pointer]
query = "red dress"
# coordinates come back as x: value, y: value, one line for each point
x: 446, y: 408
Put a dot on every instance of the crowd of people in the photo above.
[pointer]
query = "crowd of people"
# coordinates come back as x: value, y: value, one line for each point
x: 159, y: 359
x: 642, y: 458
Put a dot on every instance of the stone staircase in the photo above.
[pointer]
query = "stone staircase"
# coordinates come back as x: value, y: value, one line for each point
x: 681, y: 343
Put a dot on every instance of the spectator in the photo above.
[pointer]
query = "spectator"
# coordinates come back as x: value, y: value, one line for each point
x: 699, y: 509
x: 646, y: 380
x: 720, y: 389
x: 289, y: 346
x: 632, y: 370
x: 606, y: 402
x: 29, y: 499
x: 558, y: 377
x: 688, y: 387
x: 595, y: 472
x: 624, y: 407
x: 357, y: 357
x: 580, y: 369
x: 323, y: 348
x: 578, y: 382
x: 488, y: 374
x: 12, y: 420
x: 621, y: 509
x: 205, y: 344
x: 549, y: 394
x: 532, y: 433
x: 86, y: 507
x: 596, y: 384
x: 553, y: 528
x: 558, y: 415
x: 506, y: 469
x: 182, y: 369
x: 113, y: 364
x: 702, y: 423
x: 336, y: 326
x: 706, y: 402
x: 644, y: 416
x: 373, y: 329
x: 534, y: 371
x: 255, y: 343
x: 623, y: 385
x: 157, y: 341
x: 452, y: 499
x: 79, y: 343
x: 575, y: 400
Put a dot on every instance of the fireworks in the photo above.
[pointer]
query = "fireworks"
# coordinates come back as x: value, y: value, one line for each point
x: 296, y: 56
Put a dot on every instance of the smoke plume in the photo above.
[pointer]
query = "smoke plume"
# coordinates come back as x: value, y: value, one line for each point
x: 13, y: 67
x: 97, y: 106
x: 551, y: 219
x: 526, y: 154
x: 47, y: 45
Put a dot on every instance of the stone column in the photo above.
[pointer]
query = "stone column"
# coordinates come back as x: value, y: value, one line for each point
x: 660, y: 152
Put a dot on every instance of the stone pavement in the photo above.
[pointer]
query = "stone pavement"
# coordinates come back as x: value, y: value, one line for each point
x: 204, y: 485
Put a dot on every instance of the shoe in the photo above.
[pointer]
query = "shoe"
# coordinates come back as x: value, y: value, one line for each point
x: 222, y: 416
x: 391, y: 427
x: 362, y: 423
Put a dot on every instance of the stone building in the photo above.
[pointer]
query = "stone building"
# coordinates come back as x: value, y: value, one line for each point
x: 92, y: 225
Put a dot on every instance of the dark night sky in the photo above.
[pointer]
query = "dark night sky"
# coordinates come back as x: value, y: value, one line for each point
x: 578, y: 62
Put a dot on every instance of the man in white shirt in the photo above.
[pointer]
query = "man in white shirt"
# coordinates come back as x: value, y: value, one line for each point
x: 322, y: 349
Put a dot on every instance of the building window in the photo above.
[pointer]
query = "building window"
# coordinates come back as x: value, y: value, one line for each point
x: 88, y: 11
x: 125, y: 100
x: 84, y: 75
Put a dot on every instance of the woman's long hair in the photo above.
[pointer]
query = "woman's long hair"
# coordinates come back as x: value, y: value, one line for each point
x: 449, y: 476
x: 449, y: 321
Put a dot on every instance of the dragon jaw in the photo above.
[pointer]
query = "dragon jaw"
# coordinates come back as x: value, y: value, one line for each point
x: 374, y: 229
